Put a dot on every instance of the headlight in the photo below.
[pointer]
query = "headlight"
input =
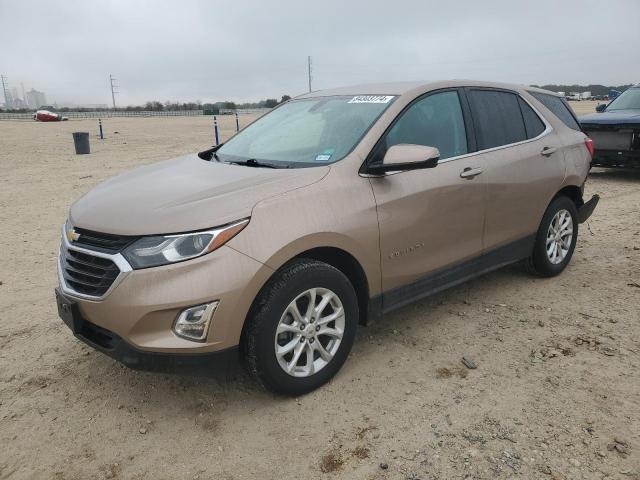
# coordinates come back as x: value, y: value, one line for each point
x: 163, y: 249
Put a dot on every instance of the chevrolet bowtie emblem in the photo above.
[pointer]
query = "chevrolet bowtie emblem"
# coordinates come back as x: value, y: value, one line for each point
x: 72, y: 235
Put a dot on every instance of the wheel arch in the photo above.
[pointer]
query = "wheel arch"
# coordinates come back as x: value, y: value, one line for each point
x: 571, y: 191
x: 337, y: 257
x: 352, y: 269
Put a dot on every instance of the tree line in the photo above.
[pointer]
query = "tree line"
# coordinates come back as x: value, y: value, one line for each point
x: 214, y: 107
x: 594, y: 89
x: 155, y: 105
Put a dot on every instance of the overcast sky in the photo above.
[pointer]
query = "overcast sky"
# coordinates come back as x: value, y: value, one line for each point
x: 190, y: 50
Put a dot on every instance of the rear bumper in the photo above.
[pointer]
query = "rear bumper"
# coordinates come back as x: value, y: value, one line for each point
x: 585, y: 211
x: 613, y: 158
x: 218, y: 363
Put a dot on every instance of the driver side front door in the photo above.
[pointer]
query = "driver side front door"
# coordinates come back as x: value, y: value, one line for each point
x: 431, y: 221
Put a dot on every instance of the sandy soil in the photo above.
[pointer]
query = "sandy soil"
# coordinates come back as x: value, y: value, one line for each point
x: 585, y: 106
x: 556, y: 392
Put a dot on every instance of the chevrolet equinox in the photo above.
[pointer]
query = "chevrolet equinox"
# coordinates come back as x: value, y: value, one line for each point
x: 336, y: 207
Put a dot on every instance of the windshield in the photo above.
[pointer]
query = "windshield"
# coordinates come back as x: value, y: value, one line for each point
x: 629, y: 100
x: 306, y: 132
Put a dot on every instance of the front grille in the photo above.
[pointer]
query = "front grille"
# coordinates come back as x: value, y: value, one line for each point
x: 105, y: 242
x: 87, y: 274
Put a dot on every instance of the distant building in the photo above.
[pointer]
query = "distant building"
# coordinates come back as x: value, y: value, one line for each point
x: 16, y: 101
x: 8, y: 99
x: 19, y: 103
x: 35, y: 99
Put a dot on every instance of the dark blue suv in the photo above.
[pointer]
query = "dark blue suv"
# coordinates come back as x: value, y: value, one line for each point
x: 615, y: 131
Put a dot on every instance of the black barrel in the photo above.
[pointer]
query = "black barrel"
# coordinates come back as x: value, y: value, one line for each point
x: 81, y: 142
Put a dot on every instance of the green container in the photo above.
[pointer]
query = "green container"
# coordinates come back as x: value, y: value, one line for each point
x: 81, y: 142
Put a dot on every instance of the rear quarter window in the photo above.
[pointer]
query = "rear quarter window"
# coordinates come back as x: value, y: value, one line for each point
x: 559, y: 108
x: 532, y: 122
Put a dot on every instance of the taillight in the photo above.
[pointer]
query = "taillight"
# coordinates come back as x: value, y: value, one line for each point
x: 589, y: 143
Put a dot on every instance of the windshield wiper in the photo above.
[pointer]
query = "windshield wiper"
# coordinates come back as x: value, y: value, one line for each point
x: 252, y: 162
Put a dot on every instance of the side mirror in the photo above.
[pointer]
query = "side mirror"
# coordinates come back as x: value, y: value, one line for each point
x: 407, y: 157
x: 601, y: 107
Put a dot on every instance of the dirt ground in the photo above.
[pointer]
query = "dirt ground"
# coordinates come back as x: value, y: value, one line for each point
x: 586, y: 106
x: 556, y: 391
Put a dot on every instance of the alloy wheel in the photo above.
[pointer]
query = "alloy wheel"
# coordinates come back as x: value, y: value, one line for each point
x: 559, y: 236
x: 309, y: 332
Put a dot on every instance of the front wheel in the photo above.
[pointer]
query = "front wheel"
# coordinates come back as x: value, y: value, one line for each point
x: 301, y: 328
x: 555, y: 240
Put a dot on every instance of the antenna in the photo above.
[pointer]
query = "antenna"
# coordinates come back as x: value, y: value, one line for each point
x: 114, y: 86
x: 309, y: 68
x: 7, y: 103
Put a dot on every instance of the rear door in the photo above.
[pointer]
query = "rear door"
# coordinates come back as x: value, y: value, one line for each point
x: 430, y: 218
x: 524, y: 166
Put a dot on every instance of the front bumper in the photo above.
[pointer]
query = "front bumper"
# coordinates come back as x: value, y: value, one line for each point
x: 142, y: 305
x: 109, y: 343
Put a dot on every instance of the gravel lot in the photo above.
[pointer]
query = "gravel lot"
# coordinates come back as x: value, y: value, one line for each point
x: 556, y: 391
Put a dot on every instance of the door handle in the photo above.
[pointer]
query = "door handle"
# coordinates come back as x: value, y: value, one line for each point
x: 548, y: 151
x: 470, y: 173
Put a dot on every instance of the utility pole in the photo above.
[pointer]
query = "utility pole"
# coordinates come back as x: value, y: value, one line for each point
x: 112, y: 82
x: 309, y: 68
x: 4, y: 89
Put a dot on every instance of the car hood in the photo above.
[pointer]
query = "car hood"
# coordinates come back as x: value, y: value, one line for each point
x: 611, y: 118
x: 183, y: 194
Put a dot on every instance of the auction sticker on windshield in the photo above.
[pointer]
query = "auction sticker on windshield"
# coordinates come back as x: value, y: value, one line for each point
x: 371, y: 99
x: 325, y: 156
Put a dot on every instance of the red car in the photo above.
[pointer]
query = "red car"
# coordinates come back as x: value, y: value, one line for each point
x: 47, y: 116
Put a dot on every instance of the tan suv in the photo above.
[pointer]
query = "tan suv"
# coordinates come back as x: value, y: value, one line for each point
x: 334, y: 208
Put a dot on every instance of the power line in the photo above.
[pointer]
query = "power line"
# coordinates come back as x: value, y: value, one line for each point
x: 309, y: 71
x: 114, y: 86
x: 7, y: 103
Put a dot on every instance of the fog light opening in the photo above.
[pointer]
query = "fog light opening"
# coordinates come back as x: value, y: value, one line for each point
x: 193, y: 323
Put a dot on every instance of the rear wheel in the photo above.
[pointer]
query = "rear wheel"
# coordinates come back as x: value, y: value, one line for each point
x: 555, y: 240
x: 301, y: 328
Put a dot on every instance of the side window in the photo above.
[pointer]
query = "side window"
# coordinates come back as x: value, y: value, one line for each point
x: 559, y: 108
x: 532, y: 123
x: 497, y: 118
x: 434, y: 121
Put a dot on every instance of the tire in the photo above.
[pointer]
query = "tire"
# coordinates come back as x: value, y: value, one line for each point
x: 295, y: 284
x: 542, y: 263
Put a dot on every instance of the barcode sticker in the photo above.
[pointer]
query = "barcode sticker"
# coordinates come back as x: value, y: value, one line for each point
x: 371, y: 99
